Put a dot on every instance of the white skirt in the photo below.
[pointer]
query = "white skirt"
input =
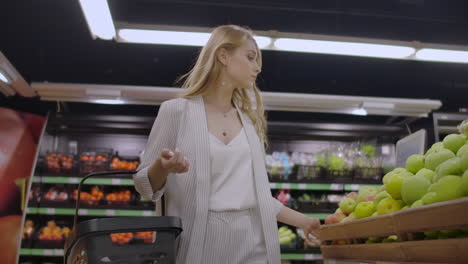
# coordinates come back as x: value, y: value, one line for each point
x: 234, y: 237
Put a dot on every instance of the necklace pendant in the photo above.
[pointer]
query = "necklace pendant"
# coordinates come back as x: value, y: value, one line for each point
x: 224, y: 134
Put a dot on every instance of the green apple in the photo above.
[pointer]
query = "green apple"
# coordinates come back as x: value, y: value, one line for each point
x: 464, y: 184
x: 375, y: 213
x: 435, y: 159
x: 451, y: 233
x: 463, y: 150
x: 364, y: 209
x: 413, y: 188
x: 435, y: 148
x: 347, y: 205
x: 405, y: 207
x: 449, y: 167
x: 464, y: 162
x: 364, y: 192
x: 388, y: 205
x: 347, y: 219
x: 390, y: 239
x: 447, y: 188
x: 429, y: 198
x: 417, y: 204
x: 372, y: 240
x: 432, y: 234
x: 393, y: 186
x: 454, y: 142
x: 395, y: 171
x: 380, y: 196
x: 426, y: 173
x: 414, y: 163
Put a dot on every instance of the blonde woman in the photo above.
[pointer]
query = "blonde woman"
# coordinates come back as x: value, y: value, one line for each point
x: 206, y: 154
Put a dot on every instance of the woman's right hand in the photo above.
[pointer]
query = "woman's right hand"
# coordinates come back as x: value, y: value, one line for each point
x: 173, y: 161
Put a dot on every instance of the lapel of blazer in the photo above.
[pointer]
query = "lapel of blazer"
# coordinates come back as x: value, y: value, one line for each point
x: 199, y: 127
x: 263, y: 188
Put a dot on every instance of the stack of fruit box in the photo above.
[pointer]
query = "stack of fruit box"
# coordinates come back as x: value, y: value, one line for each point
x: 345, y: 241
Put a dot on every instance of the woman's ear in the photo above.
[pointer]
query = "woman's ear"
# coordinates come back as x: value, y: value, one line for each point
x: 223, y: 56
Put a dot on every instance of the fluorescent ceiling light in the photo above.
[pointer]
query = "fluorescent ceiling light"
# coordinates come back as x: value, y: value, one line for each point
x: 442, y: 55
x: 344, y: 48
x: 262, y: 42
x: 164, y: 37
x: 99, y: 19
x: 175, y: 37
x: 359, y: 111
x: 108, y: 101
x: 3, y: 77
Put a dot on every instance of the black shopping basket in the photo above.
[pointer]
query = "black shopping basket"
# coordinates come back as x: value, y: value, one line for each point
x: 90, y: 241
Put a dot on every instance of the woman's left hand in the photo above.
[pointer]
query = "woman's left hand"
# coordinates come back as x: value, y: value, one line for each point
x: 310, y: 226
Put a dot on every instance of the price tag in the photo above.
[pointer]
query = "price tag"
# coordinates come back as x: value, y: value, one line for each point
x: 50, y: 211
x: 355, y: 187
x: 286, y: 186
x: 73, y: 180
x: 58, y: 252
x: 48, y: 252
x: 385, y: 150
x: 147, y: 213
x: 336, y: 187
x: 302, y: 186
x: 110, y: 212
x: 83, y: 212
x: 116, y: 181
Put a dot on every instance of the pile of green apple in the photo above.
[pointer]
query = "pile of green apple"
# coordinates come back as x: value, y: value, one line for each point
x: 441, y: 174
x: 286, y: 235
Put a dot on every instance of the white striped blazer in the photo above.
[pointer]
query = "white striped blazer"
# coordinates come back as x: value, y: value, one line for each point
x: 181, y: 123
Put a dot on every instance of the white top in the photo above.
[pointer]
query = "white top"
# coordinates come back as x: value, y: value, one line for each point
x: 232, y: 183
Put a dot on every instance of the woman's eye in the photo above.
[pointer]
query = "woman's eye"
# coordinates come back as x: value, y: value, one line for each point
x: 251, y: 58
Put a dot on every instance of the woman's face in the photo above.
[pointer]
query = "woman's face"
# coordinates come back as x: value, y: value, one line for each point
x: 242, y: 67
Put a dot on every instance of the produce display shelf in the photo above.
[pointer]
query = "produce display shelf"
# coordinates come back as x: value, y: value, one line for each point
x: 76, y: 180
x: 406, y: 224
x: 91, y: 212
x: 41, y: 252
x: 356, y: 187
x: 291, y: 256
x: 59, y: 253
x: 318, y: 215
x: 273, y: 185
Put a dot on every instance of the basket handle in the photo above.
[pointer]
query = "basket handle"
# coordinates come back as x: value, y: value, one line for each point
x: 103, y: 173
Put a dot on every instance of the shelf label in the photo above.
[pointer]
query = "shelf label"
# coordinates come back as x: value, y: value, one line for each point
x: 147, y: 213
x: 73, y: 180
x: 302, y: 186
x: 83, y: 212
x: 355, y: 187
x: 50, y: 211
x: 116, y: 181
x: 272, y: 186
x: 48, y: 252
x: 286, y: 186
x: 58, y: 252
x: 336, y: 187
x: 110, y: 212
x: 310, y: 257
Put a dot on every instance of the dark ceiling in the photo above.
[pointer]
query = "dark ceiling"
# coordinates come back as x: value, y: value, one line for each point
x: 48, y: 40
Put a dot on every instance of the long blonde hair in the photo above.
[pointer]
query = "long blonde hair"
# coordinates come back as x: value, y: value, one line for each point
x: 207, y: 69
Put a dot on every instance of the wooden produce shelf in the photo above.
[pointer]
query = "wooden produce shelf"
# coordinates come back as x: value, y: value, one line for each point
x: 407, y: 225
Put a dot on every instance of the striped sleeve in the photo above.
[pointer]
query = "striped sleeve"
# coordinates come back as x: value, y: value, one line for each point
x: 163, y: 135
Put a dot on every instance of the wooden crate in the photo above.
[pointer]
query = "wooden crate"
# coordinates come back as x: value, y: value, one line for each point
x: 406, y: 223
